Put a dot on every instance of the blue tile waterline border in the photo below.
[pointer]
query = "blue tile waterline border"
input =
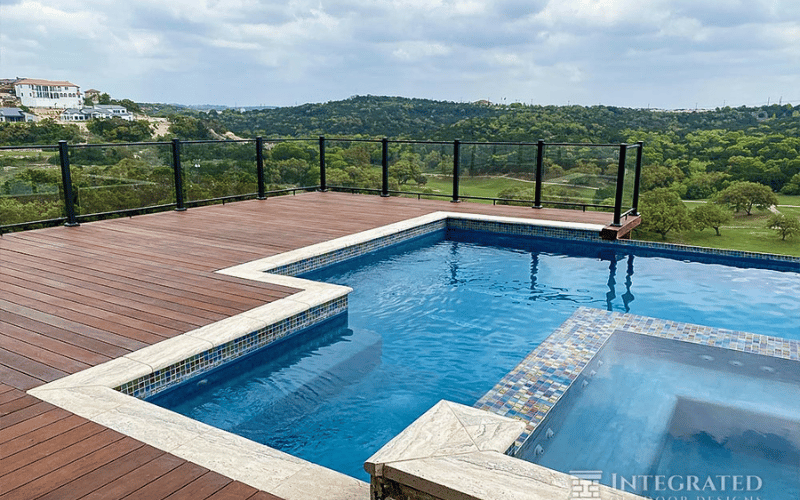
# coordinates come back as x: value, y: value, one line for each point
x: 535, y: 386
x: 791, y: 261
x: 339, y: 255
x: 174, y: 374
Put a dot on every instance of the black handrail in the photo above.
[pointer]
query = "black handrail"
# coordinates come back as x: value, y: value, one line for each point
x: 69, y: 198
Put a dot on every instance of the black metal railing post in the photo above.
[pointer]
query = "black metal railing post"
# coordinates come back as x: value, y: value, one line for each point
x: 623, y: 150
x: 323, y: 180
x: 178, y: 172
x: 66, y: 181
x: 537, y: 195
x: 262, y: 190
x: 456, y: 168
x: 385, y: 167
x: 637, y: 177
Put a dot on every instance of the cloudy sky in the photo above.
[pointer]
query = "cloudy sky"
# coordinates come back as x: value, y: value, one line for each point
x: 634, y: 53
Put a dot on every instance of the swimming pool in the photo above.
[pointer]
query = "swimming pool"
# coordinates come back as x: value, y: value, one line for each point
x: 363, y: 386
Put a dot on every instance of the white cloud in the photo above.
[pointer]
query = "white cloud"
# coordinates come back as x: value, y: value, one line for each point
x: 414, y: 51
x: 619, y: 52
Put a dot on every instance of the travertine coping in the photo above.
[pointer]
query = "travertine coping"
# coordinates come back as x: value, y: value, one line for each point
x: 90, y: 393
x: 455, y: 452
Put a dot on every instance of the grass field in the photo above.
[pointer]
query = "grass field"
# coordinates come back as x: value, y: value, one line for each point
x: 490, y: 187
x: 486, y: 187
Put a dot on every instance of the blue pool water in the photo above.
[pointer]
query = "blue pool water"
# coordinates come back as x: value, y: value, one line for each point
x: 666, y: 409
x: 447, y: 318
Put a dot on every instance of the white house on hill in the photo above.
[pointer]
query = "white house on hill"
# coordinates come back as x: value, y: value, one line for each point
x: 48, y: 94
x: 100, y: 111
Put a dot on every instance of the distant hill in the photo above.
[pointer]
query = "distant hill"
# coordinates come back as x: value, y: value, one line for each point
x: 397, y: 117
x: 369, y: 116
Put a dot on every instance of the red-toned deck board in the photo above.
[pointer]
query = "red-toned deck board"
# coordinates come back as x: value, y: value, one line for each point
x: 75, y: 468
x: 40, y: 435
x: 59, y: 319
x: 149, y: 270
x: 126, y: 322
x: 13, y: 334
x: 138, y: 478
x: 28, y: 367
x: 101, y: 476
x: 76, y: 297
x: 71, y: 337
x: 104, y: 302
x: 68, y: 450
x: 144, y: 291
x: 30, y: 424
x: 41, y: 355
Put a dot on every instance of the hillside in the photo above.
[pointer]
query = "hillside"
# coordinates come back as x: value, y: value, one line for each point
x: 396, y: 117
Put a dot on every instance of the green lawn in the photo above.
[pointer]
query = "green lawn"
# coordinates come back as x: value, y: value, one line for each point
x: 486, y: 187
x: 784, y: 199
x: 490, y: 187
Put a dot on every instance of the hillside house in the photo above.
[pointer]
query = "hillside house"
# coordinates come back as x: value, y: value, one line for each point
x: 15, y: 115
x: 97, y: 112
x: 48, y: 94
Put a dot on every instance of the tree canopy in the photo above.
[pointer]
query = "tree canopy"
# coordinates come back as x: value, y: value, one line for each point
x: 745, y: 195
x: 663, y: 211
x: 784, y: 225
x: 710, y: 215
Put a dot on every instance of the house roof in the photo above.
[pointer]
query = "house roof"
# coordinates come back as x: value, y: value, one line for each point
x: 11, y: 112
x: 51, y: 83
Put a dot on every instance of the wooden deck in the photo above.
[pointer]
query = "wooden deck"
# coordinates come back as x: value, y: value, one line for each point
x: 77, y: 297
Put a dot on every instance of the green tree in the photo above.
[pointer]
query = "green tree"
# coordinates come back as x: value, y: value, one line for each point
x: 657, y: 176
x: 104, y: 99
x: 784, y: 225
x: 289, y: 150
x: 663, y: 211
x: 188, y: 128
x: 793, y: 186
x: 129, y: 105
x: 119, y: 130
x: 46, y: 131
x: 744, y: 195
x: 703, y: 185
x: 710, y: 215
x: 407, y: 169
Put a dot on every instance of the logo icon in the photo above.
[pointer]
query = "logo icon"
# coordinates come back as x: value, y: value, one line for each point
x: 585, y: 484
